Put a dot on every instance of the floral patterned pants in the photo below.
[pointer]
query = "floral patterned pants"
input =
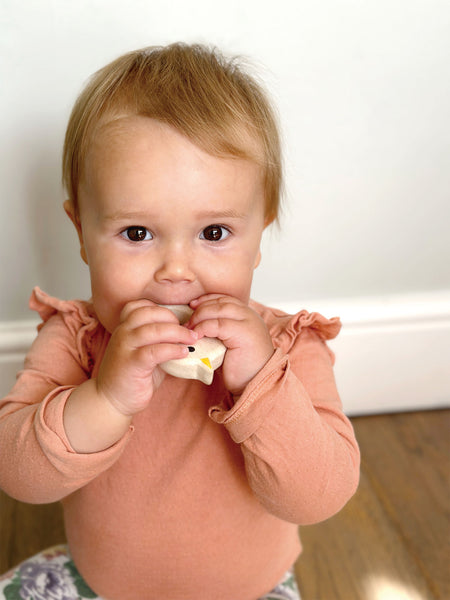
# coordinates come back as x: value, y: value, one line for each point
x: 52, y: 575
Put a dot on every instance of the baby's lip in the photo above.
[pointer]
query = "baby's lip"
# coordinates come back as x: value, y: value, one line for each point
x: 176, y: 300
x: 172, y: 304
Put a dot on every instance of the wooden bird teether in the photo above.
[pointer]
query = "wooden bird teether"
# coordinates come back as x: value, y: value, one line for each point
x: 204, y: 357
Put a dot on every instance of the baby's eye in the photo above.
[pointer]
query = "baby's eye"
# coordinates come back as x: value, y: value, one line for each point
x: 136, y: 233
x: 214, y: 233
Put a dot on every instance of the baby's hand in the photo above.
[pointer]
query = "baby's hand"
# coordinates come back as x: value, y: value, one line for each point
x: 241, y: 329
x: 146, y: 336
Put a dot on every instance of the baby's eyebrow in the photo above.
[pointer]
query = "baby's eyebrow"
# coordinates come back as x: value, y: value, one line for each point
x: 125, y: 216
x: 229, y: 213
x: 215, y: 215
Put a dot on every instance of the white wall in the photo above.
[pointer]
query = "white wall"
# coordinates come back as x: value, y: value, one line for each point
x: 363, y: 91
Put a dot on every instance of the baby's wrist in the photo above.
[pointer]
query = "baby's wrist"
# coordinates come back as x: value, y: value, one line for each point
x: 91, y: 423
x: 112, y: 404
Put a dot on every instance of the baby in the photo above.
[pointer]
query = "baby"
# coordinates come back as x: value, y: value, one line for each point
x: 172, y: 488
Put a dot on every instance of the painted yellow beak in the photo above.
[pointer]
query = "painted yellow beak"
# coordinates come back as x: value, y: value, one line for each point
x: 206, y: 361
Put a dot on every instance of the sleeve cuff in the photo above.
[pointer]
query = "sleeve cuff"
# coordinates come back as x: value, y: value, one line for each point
x: 256, y: 402
x: 56, y: 446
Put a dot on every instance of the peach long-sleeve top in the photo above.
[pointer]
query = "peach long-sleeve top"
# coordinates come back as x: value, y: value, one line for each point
x: 201, y: 499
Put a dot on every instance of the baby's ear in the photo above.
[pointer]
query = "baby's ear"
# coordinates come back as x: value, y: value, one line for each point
x: 74, y: 217
x: 269, y: 219
x: 257, y: 260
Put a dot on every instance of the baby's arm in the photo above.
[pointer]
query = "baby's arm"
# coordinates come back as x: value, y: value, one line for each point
x: 301, y: 456
x: 99, y: 412
x: 39, y: 463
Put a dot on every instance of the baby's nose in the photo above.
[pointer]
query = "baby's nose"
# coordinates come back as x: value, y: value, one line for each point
x: 175, y: 266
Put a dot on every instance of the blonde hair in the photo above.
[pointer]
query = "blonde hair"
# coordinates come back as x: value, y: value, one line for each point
x: 193, y: 88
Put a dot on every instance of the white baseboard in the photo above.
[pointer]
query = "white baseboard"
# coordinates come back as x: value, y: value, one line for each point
x: 393, y: 353
x: 15, y: 339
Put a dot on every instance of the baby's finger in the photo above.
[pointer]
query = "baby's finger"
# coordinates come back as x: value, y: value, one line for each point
x: 139, y: 312
x: 208, y: 298
x: 133, y: 305
x: 229, y: 331
x: 153, y: 355
x: 150, y: 334
x: 224, y: 308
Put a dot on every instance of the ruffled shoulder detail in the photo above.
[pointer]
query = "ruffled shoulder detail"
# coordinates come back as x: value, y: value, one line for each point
x: 47, y: 306
x: 77, y: 315
x: 285, y: 328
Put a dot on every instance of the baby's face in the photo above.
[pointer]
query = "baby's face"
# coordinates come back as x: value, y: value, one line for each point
x: 161, y: 219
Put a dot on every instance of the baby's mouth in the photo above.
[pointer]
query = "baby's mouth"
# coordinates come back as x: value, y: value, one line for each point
x: 171, y: 303
x: 174, y: 299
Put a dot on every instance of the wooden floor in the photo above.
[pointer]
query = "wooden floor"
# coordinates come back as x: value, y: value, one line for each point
x: 391, y: 542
